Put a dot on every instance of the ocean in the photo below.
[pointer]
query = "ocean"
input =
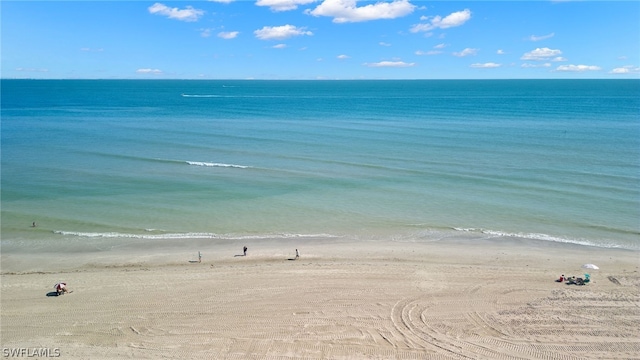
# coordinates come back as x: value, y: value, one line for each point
x: 548, y: 160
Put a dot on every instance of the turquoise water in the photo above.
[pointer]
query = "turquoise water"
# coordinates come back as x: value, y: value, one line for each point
x: 555, y: 160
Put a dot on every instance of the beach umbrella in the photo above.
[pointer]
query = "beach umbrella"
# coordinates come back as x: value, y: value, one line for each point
x: 590, y: 266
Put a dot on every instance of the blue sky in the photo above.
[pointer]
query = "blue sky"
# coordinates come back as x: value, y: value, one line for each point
x: 320, y: 39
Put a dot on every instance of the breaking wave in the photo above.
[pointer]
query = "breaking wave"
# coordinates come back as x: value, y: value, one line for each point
x: 200, y: 96
x: 190, y: 235
x: 210, y: 164
x: 537, y: 236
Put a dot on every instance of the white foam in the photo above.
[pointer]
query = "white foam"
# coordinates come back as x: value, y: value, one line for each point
x: 535, y: 236
x: 191, y: 235
x: 201, y: 96
x: 210, y: 164
x: 138, y: 236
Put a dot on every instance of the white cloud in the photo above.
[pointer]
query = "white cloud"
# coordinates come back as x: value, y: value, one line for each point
x: 186, y: 14
x: 85, y: 49
x: 628, y: 69
x: 342, y: 57
x: 31, y: 69
x: 205, y: 33
x: 527, y: 65
x: 280, y: 32
x: 283, y: 5
x: 543, y: 54
x: 279, y: 46
x: 621, y: 70
x: 344, y: 11
x: 577, y: 68
x: 223, y: 1
x: 390, y: 64
x: 488, y: 65
x: 437, y: 22
x: 149, y: 71
x: 466, y: 52
x: 440, y: 46
x: 542, y: 37
x: 382, y: 43
x: 228, y: 34
x: 500, y: 52
x: 431, y: 52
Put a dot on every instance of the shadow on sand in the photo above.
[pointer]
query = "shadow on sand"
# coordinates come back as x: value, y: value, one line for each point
x: 52, y: 293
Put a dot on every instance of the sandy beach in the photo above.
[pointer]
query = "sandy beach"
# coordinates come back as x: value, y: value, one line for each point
x: 340, y: 300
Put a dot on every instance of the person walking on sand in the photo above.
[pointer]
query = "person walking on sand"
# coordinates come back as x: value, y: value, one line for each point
x: 245, y: 251
x: 297, y: 254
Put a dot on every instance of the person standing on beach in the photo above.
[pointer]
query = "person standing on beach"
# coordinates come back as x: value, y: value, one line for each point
x: 245, y: 251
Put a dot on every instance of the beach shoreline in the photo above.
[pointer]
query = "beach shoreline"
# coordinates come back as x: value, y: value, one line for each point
x: 87, y: 253
x: 342, y: 298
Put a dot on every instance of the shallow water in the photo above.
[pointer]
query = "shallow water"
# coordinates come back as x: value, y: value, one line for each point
x: 554, y: 160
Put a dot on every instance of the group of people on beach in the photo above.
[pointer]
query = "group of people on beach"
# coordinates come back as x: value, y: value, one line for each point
x: 244, y: 251
x: 574, y: 280
x: 61, y: 287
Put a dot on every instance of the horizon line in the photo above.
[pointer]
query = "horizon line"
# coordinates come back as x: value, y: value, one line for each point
x: 264, y: 79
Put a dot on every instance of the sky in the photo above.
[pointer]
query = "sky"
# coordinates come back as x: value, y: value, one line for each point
x: 320, y: 39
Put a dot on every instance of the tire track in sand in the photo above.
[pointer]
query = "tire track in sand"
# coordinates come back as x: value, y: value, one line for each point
x: 478, y: 324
